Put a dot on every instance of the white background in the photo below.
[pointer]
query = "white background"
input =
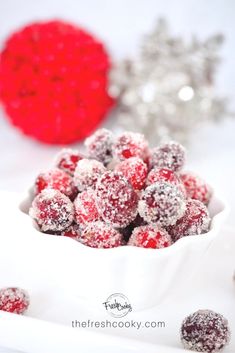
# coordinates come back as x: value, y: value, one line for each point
x: 120, y: 24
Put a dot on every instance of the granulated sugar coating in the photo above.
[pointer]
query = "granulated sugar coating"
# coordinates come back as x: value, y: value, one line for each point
x: 170, y: 155
x: 52, y: 210
x: 87, y: 173
x: 100, y: 146
x: 67, y: 160
x: 163, y: 174
x: 85, y: 208
x: 56, y: 179
x: 150, y: 236
x: 122, y: 184
x: 162, y: 202
x: 205, y: 331
x: 135, y: 170
x: 131, y: 144
x: 14, y: 300
x: 196, y: 220
x: 116, y: 200
x: 196, y: 188
x: 101, y: 235
x: 73, y: 232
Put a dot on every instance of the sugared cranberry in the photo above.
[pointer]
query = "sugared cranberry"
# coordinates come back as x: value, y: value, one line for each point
x: 196, y: 188
x: 73, y: 232
x: 56, y: 179
x: 100, y: 146
x: 150, y: 236
x: 85, y: 208
x: 127, y: 231
x: 131, y: 144
x: 205, y: 331
x: 14, y: 300
x: 162, y: 202
x: 169, y: 155
x: 116, y: 199
x: 52, y: 210
x: 101, y: 235
x: 87, y: 173
x: 135, y: 171
x: 196, y: 220
x: 164, y: 174
x: 67, y: 160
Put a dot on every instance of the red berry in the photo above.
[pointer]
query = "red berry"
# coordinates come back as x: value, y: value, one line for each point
x: 196, y: 220
x: 116, y: 199
x: 101, y: 235
x: 67, y: 160
x: 162, y: 202
x: 135, y: 170
x: 87, y: 173
x: 54, y: 81
x: 205, y: 331
x: 196, y: 188
x: 72, y: 232
x: 131, y: 144
x: 14, y: 300
x: 169, y: 155
x: 100, y: 146
x: 52, y: 210
x: 56, y: 179
x: 156, y: 175
x: 85, y: 207
x: 150, y: 236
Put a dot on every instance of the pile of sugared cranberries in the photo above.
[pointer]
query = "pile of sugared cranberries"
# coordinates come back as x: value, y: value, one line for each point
x: 121, y: 192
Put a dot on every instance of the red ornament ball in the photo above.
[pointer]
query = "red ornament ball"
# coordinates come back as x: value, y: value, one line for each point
x: 116, y: 199
x: 196, y: 188
x: 52, y: 210
x: 54, y: 80
x: 150, y: 236
x: 85, y: 208
x: 196, y: 220
x: 56, y: 179
x: 135, y: 170
x: 14, y: 300
x: 101, y: 235
x: 67, y: 160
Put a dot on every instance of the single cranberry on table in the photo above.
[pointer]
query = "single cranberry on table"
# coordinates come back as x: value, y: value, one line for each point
x: 162, y: 202
x: 116, y: 199
x: 196, y: 188
x: 135, y: 170
x: 196, y: 220
x: 170, y: 155
x: 87, y: 173
x: 131, y: 144
x: 205, y: 331
x: 101, y: 235
x: 14, y: 300
x: 150, y: 236
x: 100, y: 146
x: 52, y: 210
x: 56, y: 179
x: 67, y: 160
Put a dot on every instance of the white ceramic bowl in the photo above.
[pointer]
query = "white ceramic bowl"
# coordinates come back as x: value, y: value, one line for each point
x: 145, y: 276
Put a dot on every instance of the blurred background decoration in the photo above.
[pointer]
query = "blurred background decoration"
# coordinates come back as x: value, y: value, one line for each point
x: 168, y: 89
